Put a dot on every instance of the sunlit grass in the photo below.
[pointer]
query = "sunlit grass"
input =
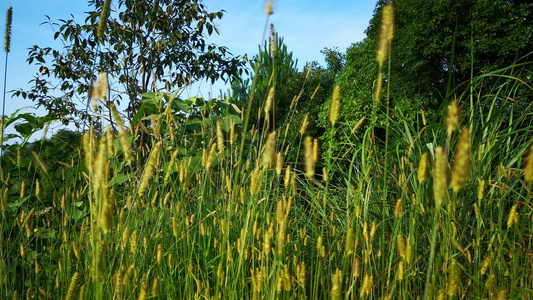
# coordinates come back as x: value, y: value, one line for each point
x: 209, y: 209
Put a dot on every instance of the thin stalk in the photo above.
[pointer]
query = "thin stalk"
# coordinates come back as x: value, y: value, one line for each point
x: 432, y: 251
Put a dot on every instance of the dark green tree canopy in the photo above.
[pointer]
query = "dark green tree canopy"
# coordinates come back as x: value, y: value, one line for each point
x: 146, y: 44
x: 489, y: 35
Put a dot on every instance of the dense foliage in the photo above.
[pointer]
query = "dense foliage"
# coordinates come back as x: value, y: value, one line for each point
x: 146, y: 45
x: 343, y: 188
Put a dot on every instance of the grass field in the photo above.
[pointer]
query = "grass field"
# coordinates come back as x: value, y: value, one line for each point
x: 212, y: 210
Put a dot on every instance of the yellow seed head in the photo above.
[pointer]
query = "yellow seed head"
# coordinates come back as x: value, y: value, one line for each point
x: 268, y: 7
x: 103, y: 19
x: 123, y: 136
x: 71, y: 292
x: 287, y: 178
x: 22, y: 188
x: 513, y: 217
x: 373, y: 230
x: 358, y: 125
x: 440, y: 189
x: 305, y: 123
x: 37, y: 188
x: 409, y: 253
x: 481, y: 190
x: 9, y: 19
x: 315, y: 150
x: 143, y: 291
x: 502, y: 295
x: 401, y: 270
x: 335, y: 105
x: 400, y: 244
x: 398, y: 208
x: 386, y: 34
x: 269, y: 151
x: 309, y: 157
x: 442, y: 295
x: 255, y: 180
x: 273, y: 38
x: 356, y: 268
x: 159, y: 254
x: 153, y: 161
x: 154, y: 291
x: 452, y: 120
x: 492, y: 285
x: 454, y: 278
x: 485, y: 266
x: 528, y: 170
x: 3, y: 200
x: 133, y: 242
x: 315, y: 91
x: 109, y: 140
x: 279, y: 163
x: 125, y: 238
x: 220, y: 137
x: 171, y: 164
x: 366, y: 286
x: 463, y: 160
x: 300, y: 274
x: 210, y: 158
x: 39, y: 162
x: 422, y: 167
x: 118, y: 282
x: 269, y: 100
x: 336, y: 283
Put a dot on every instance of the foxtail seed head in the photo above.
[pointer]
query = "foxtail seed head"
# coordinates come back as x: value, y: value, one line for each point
x: 103, y: 19
x: 454, y: 278
x: 452, y: 120
x: 153, y: 161
x: 279, y: 163
x: 72, y: 286
x: 268, y: 7
x: 308, y: 157
x: 269, y: 151
x: 440, y: 188
x: 305, y: 123
x: 386, y: 34
x: 335, y: 105
x: 336, y: 282
x: 220, y: 137
x: 358, y: 125
x: 528, y: 170
x: 269, y: 100
x: 513, y: 217
x: 9, y: 19
x: 400, y: 244
x: 422, y: 167
x: 463, y: 160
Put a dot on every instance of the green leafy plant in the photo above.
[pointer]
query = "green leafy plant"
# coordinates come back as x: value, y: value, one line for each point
x: 143, y: 46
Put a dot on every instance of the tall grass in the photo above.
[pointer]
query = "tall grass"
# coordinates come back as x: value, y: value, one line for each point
x: 216, y: 212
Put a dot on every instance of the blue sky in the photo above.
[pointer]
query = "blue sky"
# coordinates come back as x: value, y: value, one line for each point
x: 307, y: 26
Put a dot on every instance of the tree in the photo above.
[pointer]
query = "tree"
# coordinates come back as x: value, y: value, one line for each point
x: 489, y: 35
x: 146, y: 45
x: 274, y: 68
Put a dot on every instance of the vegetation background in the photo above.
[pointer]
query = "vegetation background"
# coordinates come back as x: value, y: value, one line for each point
x: 310, y: 183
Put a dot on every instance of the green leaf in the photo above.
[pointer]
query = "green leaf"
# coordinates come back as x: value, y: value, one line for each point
x: 178, y: 104
x: 193, y: 124
x: 118, y: 179
x: 25, y: 129
x: 148, y: 106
